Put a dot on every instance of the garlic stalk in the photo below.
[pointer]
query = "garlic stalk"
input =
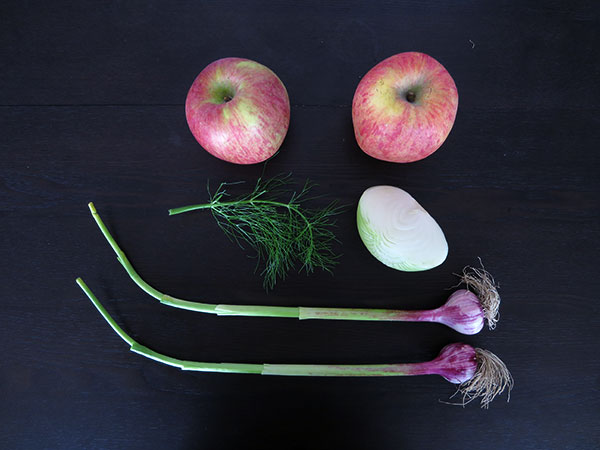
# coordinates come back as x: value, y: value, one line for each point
x: 464, y: 311
x: 478, y: 373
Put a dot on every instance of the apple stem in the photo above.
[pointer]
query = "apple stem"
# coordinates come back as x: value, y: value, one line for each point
x: 411, y: 96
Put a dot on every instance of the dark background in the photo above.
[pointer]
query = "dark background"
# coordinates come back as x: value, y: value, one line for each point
x: 92, y: 109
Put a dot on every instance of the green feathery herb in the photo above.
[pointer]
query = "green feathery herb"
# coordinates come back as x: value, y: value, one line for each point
x: 284, y: 234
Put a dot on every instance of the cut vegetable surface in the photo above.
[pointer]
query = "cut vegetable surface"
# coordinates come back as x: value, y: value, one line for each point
x: 478, y: 373
x: 398, y: 231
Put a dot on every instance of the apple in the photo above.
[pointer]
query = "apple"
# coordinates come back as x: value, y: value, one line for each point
x: 404, y: 108
x: 238, y: 110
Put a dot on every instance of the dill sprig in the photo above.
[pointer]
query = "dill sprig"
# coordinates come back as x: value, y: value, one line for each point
x: 284, y: 234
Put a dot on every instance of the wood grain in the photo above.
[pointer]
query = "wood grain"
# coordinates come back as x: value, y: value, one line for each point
x: 91, y: 109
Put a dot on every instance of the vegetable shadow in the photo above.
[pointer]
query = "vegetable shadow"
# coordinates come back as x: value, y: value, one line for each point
x: 289, y: 414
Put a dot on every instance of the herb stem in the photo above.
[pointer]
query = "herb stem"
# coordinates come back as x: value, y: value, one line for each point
x: 183, y: 209
x: 217, y: 204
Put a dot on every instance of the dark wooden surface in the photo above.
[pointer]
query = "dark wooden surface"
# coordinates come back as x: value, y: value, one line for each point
x: 91, y: 109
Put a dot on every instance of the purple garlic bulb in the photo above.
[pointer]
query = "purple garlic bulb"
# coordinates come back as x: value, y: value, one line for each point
x: 457, y: 363
x: 462, y: 312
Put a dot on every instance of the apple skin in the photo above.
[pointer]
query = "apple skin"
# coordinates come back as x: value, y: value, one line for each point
x: 390, y: 127
x: 238, y: 110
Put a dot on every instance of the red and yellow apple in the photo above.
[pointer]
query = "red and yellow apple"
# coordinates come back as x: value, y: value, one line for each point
x: 238, y: 110
x: 404, y: 108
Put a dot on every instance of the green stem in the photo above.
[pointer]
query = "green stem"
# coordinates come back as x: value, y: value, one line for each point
x: 323, y: 370
x: 336, y: 370
x: 216, y: 204
x: 148, y: 353
x: 183, y: 209
x: 390, y: 315
x: 256, y: 310
x: 122, y: 258
x: 211, y: 205
x: 104, y: 312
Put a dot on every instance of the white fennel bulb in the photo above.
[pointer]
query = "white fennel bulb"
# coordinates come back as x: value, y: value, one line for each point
x: 398, y: 231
